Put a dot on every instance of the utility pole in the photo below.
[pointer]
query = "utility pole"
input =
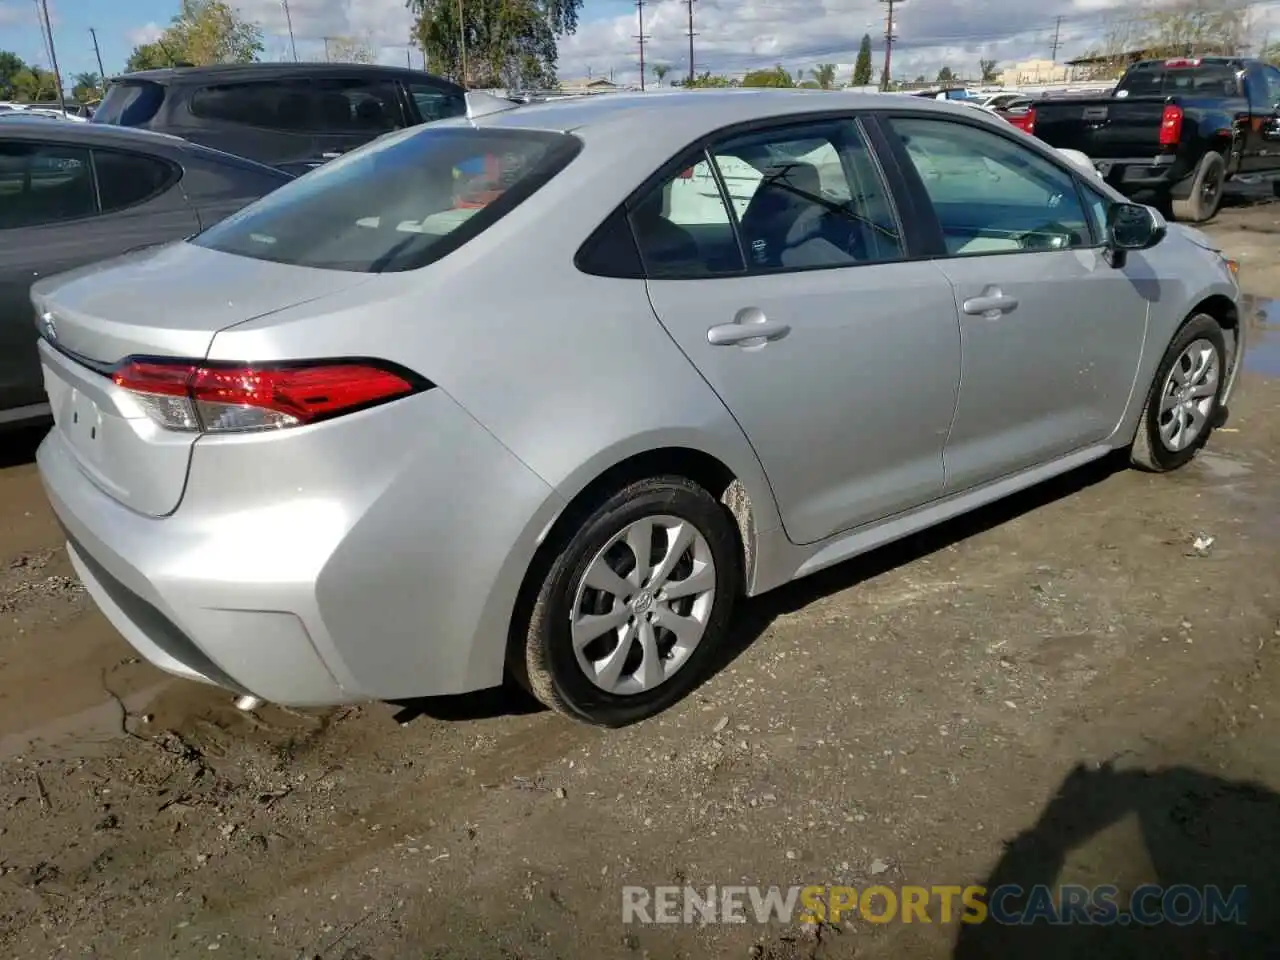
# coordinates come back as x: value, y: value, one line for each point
x: 289, y: 23
x: 1057, y: 36
x: 102, y: 74
x: 642, y: 38
x: 889, y: 37
x: 326, y: 49
x: 691, y: 36
x: 462, y: 38
x: 42, y: 7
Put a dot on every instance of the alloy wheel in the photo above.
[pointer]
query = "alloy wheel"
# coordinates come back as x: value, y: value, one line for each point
x: 1189, y: 394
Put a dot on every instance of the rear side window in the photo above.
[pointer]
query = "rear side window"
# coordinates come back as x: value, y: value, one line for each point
x: 130, y: 103
x: 1179, y: 77
x: 434, y: 103
x: 128, y: 179
x: 396, y: 205
x: 279, y: 105
x: 358, y: 106
x: 44, y: 183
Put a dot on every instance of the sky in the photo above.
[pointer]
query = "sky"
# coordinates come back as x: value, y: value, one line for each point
x: 733, y: 35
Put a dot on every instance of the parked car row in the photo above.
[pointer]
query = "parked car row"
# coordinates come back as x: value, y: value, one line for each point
x: 1176, y: 131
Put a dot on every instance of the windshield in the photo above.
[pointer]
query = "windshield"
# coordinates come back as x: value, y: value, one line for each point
x: 398, y: 203
x: 1163, y: 80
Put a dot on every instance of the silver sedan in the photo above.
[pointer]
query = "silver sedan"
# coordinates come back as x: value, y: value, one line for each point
x: 541, y: 392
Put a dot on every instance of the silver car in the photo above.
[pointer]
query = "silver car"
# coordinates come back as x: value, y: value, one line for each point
x: 542, y: 392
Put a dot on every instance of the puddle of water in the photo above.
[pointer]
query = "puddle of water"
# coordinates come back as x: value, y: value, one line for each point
x: 1263, y: 316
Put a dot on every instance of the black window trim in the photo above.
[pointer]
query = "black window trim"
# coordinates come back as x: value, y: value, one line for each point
x: 395, y: 84
x: 913, y: 228
x: 913, y: 182
x: 174, y: 177
x: 93, y: 183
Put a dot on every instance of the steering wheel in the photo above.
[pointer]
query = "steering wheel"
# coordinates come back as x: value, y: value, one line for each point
x: 1050, y: 236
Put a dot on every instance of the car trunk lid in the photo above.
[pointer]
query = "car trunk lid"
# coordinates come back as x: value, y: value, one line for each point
x: 1104, y: 128
x: 162, y: 302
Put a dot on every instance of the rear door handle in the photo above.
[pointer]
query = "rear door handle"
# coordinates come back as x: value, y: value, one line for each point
x: 729, y: 334
x: 991, y: 305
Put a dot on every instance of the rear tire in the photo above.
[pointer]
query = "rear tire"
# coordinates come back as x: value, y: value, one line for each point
x: 1207, y: 186
x: 1183, y: 403
x: 609, y: 645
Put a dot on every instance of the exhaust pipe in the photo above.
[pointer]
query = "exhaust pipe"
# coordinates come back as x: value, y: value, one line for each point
x: 249, y: 703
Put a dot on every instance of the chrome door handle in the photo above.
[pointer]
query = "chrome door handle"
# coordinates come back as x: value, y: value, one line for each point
x: 749, y: 325
x: 332, y: 155
x: 992, y: 305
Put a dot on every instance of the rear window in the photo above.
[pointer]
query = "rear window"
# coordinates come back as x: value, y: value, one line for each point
x: 130, y: 103
x: 396, y: 204
x: 1162, y: 80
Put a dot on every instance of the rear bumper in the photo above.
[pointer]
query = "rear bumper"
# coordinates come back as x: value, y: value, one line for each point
x: 336, y: 565
x: 1131, y: 175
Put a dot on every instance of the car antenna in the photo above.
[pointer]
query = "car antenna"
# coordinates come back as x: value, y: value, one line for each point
x: 483, y: 104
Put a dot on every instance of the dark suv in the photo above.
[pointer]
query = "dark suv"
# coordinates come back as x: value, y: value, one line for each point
x: 290, y: 115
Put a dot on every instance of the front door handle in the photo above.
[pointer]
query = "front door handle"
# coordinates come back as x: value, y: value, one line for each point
x: 332, y: 154
x: 749, y: 325
x: 990, y: 305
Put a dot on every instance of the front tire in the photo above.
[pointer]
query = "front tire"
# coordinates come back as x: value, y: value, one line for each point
x: 1182, y: 405
x: 635, y: 605
x: 1207, y: 186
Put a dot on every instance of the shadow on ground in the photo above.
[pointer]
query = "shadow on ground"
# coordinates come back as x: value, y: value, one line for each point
x: 1199, y: 831
x: 18, y: 445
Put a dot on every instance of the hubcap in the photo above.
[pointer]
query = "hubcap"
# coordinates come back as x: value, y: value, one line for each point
x: 642, y: 606
x: 1189, y: 394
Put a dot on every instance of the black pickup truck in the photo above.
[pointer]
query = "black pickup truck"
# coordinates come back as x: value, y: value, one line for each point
x: 1177, y: 129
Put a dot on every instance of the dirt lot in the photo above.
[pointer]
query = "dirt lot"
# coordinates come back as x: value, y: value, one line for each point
x: 934, y: 714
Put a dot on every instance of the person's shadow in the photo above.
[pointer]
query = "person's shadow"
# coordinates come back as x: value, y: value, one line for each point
x: 1199, y: 830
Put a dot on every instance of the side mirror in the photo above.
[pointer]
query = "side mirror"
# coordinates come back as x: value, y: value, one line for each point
x: 1132, y: 226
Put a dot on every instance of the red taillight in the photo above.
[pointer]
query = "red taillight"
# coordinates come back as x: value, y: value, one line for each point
x: 1182, y: 62
x: 1026, y: 122
x: 216, y: 398
x: 1171, y: 126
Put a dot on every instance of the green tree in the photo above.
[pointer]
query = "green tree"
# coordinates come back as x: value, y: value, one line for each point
x: 1270, y: 54
x: 707, y: 79
x: 825, y: 74
x: 350, y: 50
x: 989, y: 70
x: 509, y: 43
x: 203, y: 32
x: 773, y: 77
x: 10, y: 66
x: 862, y: 66
x: 86, y: 87
x: 660, y: 70
x: 946, y: 75
x: 34, y: 85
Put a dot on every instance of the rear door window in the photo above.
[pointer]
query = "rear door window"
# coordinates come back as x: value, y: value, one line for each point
x: 358, y: 106
x: 130, y: 103
x: 436, y: 103
x: 44, y: 183
x: 128, y: 179
x: 277, y: 105
x: 398, y: 205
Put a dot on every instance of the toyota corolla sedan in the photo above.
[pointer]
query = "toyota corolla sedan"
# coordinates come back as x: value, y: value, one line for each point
x: 542, y: 392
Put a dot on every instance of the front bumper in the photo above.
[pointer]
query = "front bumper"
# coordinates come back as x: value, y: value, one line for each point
x: 331, y: 564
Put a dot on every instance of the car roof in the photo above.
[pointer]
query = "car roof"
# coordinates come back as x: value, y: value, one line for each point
x: 109, y: 135
x: 678, y: 116
x: 228, y: 72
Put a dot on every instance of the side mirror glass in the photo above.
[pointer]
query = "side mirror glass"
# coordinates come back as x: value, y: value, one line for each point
x: 1132, y: 226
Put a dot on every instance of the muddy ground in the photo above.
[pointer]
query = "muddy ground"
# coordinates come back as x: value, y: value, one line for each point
x: 933, y: 714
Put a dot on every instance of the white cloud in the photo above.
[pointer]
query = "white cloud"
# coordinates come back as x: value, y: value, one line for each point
x: 12, y: 15
x: 385, y: 23
x: 147, y: 33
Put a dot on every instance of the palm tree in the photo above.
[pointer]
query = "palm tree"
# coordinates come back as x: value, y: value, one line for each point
x: 825, y: 74
x: 660, y: 70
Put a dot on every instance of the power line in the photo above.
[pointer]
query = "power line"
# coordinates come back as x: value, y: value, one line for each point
x: 46, y: 27
x: 642, y: 38
x: 691, y: 36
